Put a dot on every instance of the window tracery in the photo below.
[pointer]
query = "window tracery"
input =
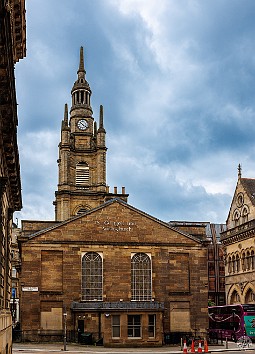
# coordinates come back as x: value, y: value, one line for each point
x: 92, y: 276
x: 141, y: 287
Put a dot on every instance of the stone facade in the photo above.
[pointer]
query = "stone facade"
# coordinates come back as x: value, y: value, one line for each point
x: 53, y: 274
x: 239, y: 244
x: 215, y: 256
x: 82, y: 155
x: 12, y: 48
x: 104, y: 270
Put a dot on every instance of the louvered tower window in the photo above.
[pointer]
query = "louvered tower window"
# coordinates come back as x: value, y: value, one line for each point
x: 141, y: 286
x: 81, y: 211
x: 82, y: 174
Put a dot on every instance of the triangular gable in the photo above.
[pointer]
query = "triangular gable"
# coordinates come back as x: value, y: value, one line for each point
x: 114, y: 221
x: 249, y: 186
x: 243, y: 200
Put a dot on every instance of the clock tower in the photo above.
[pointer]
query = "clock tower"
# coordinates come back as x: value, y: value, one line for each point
x: 82, y: 155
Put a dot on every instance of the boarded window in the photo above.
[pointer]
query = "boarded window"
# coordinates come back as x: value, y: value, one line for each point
x: 51, y: 316
x: 179, y: 272
x: 180, y: 316
x: 51, y: 270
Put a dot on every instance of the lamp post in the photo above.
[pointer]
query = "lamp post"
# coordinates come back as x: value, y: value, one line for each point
x: 233, y: 318
x: 65, y: 316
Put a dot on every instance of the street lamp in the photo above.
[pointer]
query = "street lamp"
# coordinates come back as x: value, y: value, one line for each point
x: 65, y: 316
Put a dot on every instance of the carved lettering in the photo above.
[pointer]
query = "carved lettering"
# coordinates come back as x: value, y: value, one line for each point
x: 117, y: 226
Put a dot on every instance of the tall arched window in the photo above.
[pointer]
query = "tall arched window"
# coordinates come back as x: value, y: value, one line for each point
x: 233, y: 264
x: 229, y: 265
x: 92, y: 277
x: 245, y: 213
x: 236, y: 217
x: 252, y: 260
x: 243, y: 262
x: 248, y: 260
x: 237, y: 263
x: 82, y: 174
x: 141, y: 288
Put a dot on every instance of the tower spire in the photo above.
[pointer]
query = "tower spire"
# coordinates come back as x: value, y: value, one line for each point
x: 81, y: 64
x: 81, y: 91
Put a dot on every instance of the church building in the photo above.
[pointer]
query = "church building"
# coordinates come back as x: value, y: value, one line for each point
x: 105, y: 272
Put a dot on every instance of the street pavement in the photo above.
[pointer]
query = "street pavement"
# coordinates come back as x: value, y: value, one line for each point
x: 46, y: 348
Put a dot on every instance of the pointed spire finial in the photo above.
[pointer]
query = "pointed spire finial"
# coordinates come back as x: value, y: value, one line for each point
x: 81, y: 64
x: 66, y: 112
x: 101, y: 120
x: 65, y: 120
x: 239, y: 171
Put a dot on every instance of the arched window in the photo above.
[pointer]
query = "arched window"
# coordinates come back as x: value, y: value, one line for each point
x: 243, y: 262
x: 234, y: 298
x: 141, y: 277
x: 249, y: 297
x: 252, y: 260
x: 81, y: 211
x: 82, y: 174
x: 92, y: 277
x: 248, y: 260
x: 234, y: 264
x: 229, y: 265
x: 245, y: 213
x: 236, y: 217
x: 237, y: 263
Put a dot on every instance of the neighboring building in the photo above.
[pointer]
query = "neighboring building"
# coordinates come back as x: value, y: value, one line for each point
x: 12, y: 48
x: 216, y: 268
x: 111, y: 272
x: 239, y: 244
x: 16, y: 264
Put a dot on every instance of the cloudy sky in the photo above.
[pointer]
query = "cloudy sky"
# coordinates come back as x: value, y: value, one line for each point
x: 176, y: 79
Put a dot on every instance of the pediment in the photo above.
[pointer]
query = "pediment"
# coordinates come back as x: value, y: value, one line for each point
x: 114, y: 222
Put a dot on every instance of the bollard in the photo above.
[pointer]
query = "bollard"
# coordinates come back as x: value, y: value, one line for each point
x: 226, y: 343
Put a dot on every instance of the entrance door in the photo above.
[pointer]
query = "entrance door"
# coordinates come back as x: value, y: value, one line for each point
x: 80, y: 329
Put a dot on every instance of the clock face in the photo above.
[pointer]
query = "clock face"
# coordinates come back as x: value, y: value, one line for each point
x: 82, y: 124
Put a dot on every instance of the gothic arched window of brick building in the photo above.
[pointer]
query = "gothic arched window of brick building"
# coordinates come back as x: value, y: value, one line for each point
x: 141, y: 277
x: 92, y: 276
